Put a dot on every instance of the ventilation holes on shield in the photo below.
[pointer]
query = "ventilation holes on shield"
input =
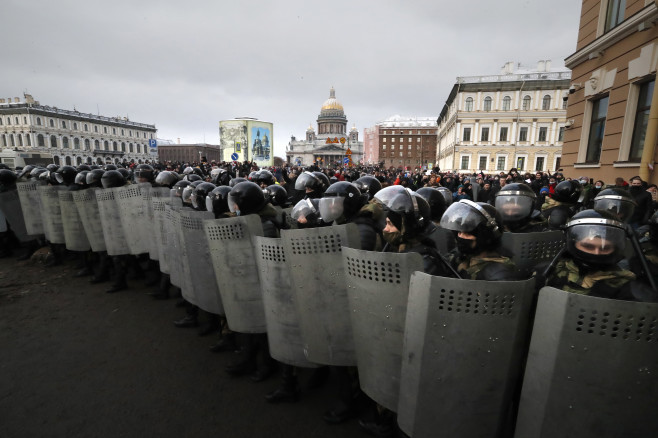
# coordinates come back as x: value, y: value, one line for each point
x: 617, y: 325
x: 381, y: 272
x: 192, y: 223
x: 321, y: 244
x: 225, y: 232
x: 274, y: 253
x: 540, y: 250
x: 482, y: 303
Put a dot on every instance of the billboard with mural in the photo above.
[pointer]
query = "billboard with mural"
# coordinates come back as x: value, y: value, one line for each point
x: 247, y: 139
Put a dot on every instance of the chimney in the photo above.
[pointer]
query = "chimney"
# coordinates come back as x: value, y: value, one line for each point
x: 16, y: 100
x: 541, y: 66
x: 548, y: 65
x: 178, y: 140
x: 2, y: 101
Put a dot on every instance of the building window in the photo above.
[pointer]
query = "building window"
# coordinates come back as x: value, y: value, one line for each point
x: 52, y: 123
x: 87, y: 145
x: 465, y: 162
x: 564, y: 103
x: 483, y: 163
x: 485, y: 134
x: 560, y: 134
x: 40, y: 140
x: 97, y: 144
x: 523, y: 133
x: 115, y: 146
x: 383, y: 147
x: 500, y: 164
x: 8, y: 120
x: 76, y: 143
x: 139, y: 148
x: 12, y: 142
x: 467, y: 134
x: 469, y: 104
x: 122, y: 132
x: 1, y: 122
x: 75, y: 126
x: 114, y: 131
x: 409, y: 147
x: 29, y: 139
x: 401, y: 153
x: 39, y: 121
x: 20, y: 139
x: 487, y: 103
x: 641, y: 120
x: 393, y: 139
x: 546, y: 103
x: 24, y: 120
x: 596, y: 130
x: 53, y: 141
x: 95, y: 128
x: 86, y: 127
x: 104, y: 129
x: 526, y: 103
x: 507, y: 101
x: 539, y: 163
x: 503, y: 133
x: 542, y: 133
x: 615, y: 14
x: 106, y: 144
x: 65, y: 142
x: 520, y: 163
x: 4, y: 140
x: 63, y: 124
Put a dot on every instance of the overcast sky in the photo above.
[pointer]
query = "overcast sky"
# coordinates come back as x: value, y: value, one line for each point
x: 184, y: 66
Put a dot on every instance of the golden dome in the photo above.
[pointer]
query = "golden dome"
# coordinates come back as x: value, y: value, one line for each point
x: 332, y: 103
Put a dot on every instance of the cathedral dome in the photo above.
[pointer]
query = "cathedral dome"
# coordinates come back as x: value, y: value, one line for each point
x: 332, y: 104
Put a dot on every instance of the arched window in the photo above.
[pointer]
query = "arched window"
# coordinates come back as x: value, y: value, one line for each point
x: 99, y: 161
x: 78, y: 161
x: 97, y: 144
x: 469, y: 104
x: 123, y: 147
x: 4, y: 140
x: 89, y: 160
x: 507, y: 101
x: 116, y: 161
x: 487, y: 103
x: 65, y: 142
x: 86, y: 127
x: 56, y: 160
x: 76, y: 143
x: 104, y: 129
x: 9, y: 120
x: 53, y: 141
x: 86, y: 144
x: 107, y: 145
x: 40, y: 140
x: 114, y: 131
x: 39, y: 121
x: 526, y: 103
x: 115, y: 146
x: 67, y: 161
x: 63, y: 124
x: 75, y: 126
x: 122, y: 132
x: 130, y: 147
x: 12, y: 142
x: 546, y: 103
x: 1, y: 122
x: 28, y: 138
x: 52, y: 123
x: 20, y: 139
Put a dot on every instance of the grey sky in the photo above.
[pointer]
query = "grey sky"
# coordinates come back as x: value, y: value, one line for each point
x: 186, y: 65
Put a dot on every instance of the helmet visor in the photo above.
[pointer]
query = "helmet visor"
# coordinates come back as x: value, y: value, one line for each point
x: 195, y: 199
x: 233, y: 204
x: 59, y: 177
x: 513, y: 208
x: 596, y: 244
x: 303, y: 210
x: 386, y: 195
x: 306, y: 179
x: 187, y: 194
x: 620, y: 208
x: 461, y: 217
x: 331, y: 208
x: 209, y: 203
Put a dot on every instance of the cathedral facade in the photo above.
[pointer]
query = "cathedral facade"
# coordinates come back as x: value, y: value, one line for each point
x: 332, y: 145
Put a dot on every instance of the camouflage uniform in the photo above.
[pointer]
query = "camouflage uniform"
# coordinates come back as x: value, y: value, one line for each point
x: 484, y: 266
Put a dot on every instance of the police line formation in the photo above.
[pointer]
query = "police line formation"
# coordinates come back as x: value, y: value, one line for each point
x: 443, y: 319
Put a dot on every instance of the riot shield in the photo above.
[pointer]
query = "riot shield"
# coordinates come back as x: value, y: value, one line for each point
x: 148, y: 194
x: 464, y: 343
x: 74, y: 232
x: 85, y: 202
x: 203, y: 283
x: 591, y: 369
x: 129, y: 201
x: 172, y: 224
x: 283, y: 330
x: 115, y: 239
x: 31, y: 206
x: 51, y: 213
x: 160, y: 220
x: 527, y: 250
x: 378, y: 291
x: 234, y: 262
x: 318, y: 280
x: 10, y: 204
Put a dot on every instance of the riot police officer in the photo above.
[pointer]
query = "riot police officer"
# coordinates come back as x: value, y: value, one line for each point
x: 516, y: 204
x: 563, y: 204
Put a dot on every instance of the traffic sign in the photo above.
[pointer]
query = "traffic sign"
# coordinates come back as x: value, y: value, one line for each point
x: 153, y: 143
x: 234, y: 156
x: 346, y: 160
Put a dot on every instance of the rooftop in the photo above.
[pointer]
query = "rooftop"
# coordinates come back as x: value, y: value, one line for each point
x: 398, y: 121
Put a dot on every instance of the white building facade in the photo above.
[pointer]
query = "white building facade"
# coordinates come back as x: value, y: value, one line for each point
x: 498, y: 122
x: 72, y: 137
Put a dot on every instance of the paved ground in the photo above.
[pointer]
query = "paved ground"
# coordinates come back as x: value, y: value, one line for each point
x: 75, y: 361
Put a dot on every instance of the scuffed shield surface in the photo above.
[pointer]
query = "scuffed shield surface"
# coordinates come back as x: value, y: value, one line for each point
x: 10, y: 204
x: 51, y: 213
x: 115, y: 239
x: 74, y: 232
x: 318, y: 279
x: 591, y: 370
x: 129, y: 200
x: 148, y: 194
x: 203, y: 283
x: 177, y: 260
x: 527, y: 250
x: 85, y: 202
x: 463, y: 348
x: 31, y: 206
x: 234, y: 262
x: 378, y: 291
x: 160, y: 225
x: 283, y: 321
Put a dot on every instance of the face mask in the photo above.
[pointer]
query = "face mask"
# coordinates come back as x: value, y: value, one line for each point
x: 464, y: 245
x: 635, y: 189
x: 394, y: 238
x: 598, y: 187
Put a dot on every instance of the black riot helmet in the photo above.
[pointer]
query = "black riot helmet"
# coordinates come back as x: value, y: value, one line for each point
x: 34, y: 173
x: 219, y: 177
x: 188, y: 190
x: 112, y: 178
x: 435, y: 200
x: 341, y: 199
x: 111, y: 167
x: 312, y: 182
x: 617, y: 201
x: 7, y: 179
x: 145, y: 172
x: 52, y: 167
x: 177, y: 189
x: 44, y: 176
x: 236, y: 181
x: 408, y: 212
x: 246, y: 198
x: 52, y: 179
x: 307, y: 213
x: 93, y: 178
x: 475, y: 218
x: 264, y: 178
x: 199, y: 195
x: 252, y: 176
x: 596, y: 239
x: 192, y: 177
x: 3, y: 166
x: 447, y: 195
x: 276, y: 195
x: 84, y: 167
x: 217, y: 200
x: 568, y: 191
x: 81, y: 179
x: 95, y: 166
x: 25, y: 172
x: 126, y: 173
x: 369, y: 185
x: 515, y: 202
x: 166, y: 179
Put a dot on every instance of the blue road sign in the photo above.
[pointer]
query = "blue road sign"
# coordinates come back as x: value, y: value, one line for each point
x: 234, y: 156
x: 153, y: 143
x: 346, y: 160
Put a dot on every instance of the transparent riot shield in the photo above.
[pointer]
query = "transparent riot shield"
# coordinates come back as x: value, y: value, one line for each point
x: 172, y: 224
x: 148, y: 194
x: 135, y: 225
x: 74, y: 232
x: 378, y: 291
x: 10, y: 204
x: 51, y: 213
x: 527, y: 250
x: 203, y: 283
x: 160, y: 226
x: 234, y: 262
x: 110, y: 215
x: 31, y: 206
x: 318, y: 280
x: 591, y: 370
x: 85, y: 202
x: 464, y: 345
x: 283, y: 321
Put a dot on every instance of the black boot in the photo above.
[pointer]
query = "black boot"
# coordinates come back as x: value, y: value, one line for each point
x: 226, y: 343
x: 212, y: 326
x: 288, y: 391
x: 246, y: 362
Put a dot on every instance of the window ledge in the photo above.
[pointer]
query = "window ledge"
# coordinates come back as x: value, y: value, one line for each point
x: 586, y: 165
x: 625, y: 164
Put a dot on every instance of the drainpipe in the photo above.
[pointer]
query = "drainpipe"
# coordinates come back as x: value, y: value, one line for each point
x: 650, y: 139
